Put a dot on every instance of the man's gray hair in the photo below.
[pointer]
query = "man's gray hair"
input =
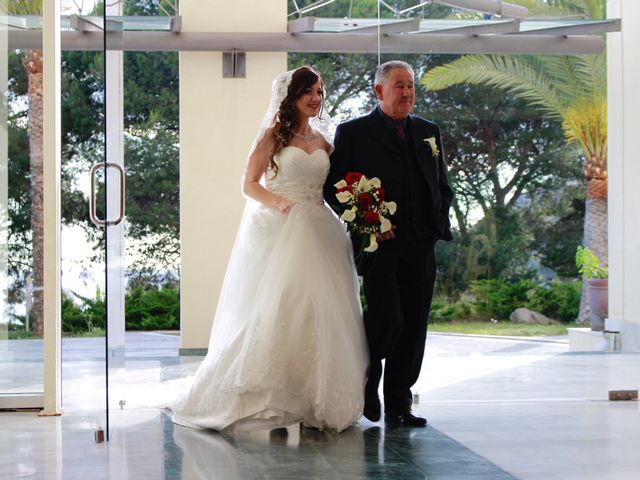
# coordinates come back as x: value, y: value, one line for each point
x: 383, y: 71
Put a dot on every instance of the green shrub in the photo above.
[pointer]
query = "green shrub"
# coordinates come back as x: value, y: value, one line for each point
x: 496, y: 299
x: 152, y: 308
x: 445, y: 310
x: 560, y: 300
x: 82, y: 318
x: 146, y: 308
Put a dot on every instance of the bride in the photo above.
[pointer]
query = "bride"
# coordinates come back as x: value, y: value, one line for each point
x: 287, y: 343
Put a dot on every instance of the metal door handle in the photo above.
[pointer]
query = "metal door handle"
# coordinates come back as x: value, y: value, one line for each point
x: 92, y: 195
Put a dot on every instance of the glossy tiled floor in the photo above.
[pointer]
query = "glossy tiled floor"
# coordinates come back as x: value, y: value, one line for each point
x: 498, y: 409
x: 151, y: 446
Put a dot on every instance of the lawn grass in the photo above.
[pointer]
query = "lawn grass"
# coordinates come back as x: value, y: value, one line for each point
x: 22, y: 335
x: 501, y: 328
x: 479, y: 328
x: 94, y: 332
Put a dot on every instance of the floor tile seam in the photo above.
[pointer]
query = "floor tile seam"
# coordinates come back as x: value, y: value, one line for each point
x: 494, y: 353
x: 325, y: 459
x: 500, y: 337
x: 408, y: 460
x: 499, y: 467
x: 541, y: 401
x: 597, y: 353
x: 460, y: 444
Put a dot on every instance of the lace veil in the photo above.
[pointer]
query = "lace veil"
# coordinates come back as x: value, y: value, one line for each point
x: 234, y: 310
x: 321, y: 124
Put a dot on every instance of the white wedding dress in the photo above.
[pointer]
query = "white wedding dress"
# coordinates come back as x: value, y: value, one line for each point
x: 288, y: 343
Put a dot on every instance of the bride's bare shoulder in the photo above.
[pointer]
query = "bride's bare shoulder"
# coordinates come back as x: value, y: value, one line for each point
x: 327, y: 146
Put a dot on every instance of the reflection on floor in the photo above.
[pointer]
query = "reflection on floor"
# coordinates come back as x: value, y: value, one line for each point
x: 497, y: 408
x: 151, y: 446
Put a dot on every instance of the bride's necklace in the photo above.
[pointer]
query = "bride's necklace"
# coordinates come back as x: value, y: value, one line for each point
x: 307, y: 138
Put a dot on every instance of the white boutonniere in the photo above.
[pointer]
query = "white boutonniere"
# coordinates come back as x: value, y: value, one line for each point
x: 431, y: 141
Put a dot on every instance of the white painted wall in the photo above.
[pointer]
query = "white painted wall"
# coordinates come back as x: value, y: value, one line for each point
x: 219, y: 118
x: 623, y: 71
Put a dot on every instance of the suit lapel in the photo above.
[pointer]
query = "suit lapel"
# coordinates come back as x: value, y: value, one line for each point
x: 379, y: 132
x: 426, y: 160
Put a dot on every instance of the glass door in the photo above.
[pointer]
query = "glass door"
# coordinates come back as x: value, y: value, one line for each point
x: 106, y: 207
x: 92, y: 311
x: 21, y: 207
x: 124, y: 377
x: 115, y: 213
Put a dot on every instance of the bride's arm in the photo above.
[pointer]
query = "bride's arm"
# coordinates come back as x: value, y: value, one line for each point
x: 258, y: 162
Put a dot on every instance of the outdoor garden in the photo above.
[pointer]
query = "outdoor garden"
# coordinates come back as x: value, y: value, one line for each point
x: 524, y: 139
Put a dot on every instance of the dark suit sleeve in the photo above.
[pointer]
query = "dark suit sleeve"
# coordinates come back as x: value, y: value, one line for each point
x: 446, y: 193
x: 340, y: 165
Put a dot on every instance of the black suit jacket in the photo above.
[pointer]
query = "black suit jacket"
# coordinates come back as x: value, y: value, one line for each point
x: 365, y: 145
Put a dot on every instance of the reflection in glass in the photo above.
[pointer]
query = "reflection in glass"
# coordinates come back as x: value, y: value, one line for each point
x: 21, y: 212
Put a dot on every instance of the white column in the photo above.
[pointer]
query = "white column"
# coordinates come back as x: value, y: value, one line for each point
x: 219, y: 118
x: 623, y: 70
x: 51, y: 201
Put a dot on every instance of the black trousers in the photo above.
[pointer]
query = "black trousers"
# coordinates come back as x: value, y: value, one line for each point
x: 396, y: 321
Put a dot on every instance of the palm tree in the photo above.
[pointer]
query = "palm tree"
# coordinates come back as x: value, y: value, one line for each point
x: 570, y: 89
x: 33, y: 64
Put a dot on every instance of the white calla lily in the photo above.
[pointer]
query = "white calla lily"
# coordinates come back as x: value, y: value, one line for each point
x: 375, y: 182
x: 363, y: 184
x: 373, y: 244
x: 385, y: 224
x: 349, y: 215
x: 391, y: 207
x: 434, y: 146
x: 344, y: 196
x: 341, y: 184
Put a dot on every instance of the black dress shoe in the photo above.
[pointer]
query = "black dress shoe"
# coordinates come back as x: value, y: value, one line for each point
x: 405, y: 418
x: 371, y: 409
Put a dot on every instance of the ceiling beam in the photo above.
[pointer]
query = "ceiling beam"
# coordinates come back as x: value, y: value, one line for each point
x: 511, y: 25
x: 320, y: 42
x: 591, y: 28
x: 301, y: 25
x: 497, y: 7
x: 176, y: 24
x: 401, y: 26
x: 81, y: 23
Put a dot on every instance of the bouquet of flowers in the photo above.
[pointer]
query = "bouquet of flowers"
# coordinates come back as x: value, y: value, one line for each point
x: 365, y: 210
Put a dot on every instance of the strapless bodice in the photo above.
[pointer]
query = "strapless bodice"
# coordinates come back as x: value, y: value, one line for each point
x: 301, y: 176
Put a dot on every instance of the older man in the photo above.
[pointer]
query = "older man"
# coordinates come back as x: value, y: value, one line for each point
x: 405, y: 152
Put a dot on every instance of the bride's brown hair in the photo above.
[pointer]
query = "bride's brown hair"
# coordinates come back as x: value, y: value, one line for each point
x: 286, y: 120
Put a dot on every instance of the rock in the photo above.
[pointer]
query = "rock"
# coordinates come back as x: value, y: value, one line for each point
x: 524, y: 315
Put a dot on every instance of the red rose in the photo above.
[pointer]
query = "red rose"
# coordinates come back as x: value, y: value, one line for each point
x: 371, y: 218
x: 353, y: 177
x: 380, y: 193
x: 348, y: 188
x: 364, y: 200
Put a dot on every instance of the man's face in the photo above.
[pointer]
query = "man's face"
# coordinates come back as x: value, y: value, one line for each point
x: 397, y: 96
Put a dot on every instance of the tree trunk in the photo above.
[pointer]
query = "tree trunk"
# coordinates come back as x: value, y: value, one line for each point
x: 595, y: 234
x: 33, y: 64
